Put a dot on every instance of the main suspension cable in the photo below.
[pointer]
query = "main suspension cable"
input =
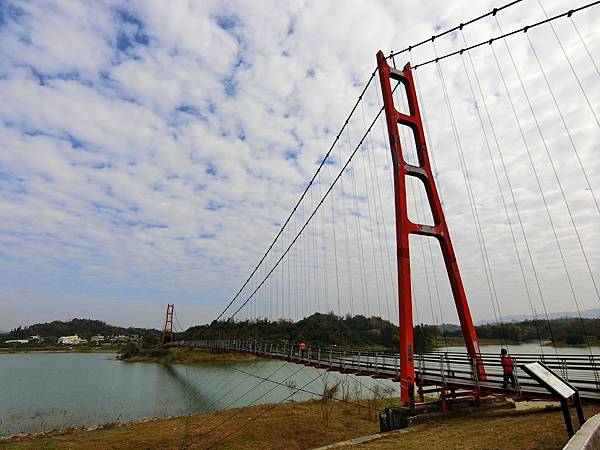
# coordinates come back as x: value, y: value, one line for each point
x: 497, y: 178
x: 493, y: 12
x: 310, y: 183
x: 473, y: 205
x: 503, y: 36
x: 334, y: 182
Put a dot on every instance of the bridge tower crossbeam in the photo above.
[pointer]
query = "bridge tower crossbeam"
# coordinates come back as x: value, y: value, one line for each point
x: 405, y: 227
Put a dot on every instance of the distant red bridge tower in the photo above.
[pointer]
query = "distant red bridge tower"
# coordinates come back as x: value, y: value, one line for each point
x: 168, y: 328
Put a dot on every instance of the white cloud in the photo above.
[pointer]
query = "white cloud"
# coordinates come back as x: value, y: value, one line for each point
x: 149, y: 152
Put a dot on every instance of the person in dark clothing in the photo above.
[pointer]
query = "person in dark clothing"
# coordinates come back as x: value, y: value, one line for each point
x: 507, y: 369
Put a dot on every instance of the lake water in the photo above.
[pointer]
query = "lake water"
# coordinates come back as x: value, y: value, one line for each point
x: 45, y: 391
x: 42, y: 391
x: 534, y: 348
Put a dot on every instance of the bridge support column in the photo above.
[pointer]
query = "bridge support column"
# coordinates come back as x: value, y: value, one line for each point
x: 404, y: 226
x: 443, y: 397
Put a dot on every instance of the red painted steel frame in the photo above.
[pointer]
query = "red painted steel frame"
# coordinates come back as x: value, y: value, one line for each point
x: 404, y: 227
x: 168, y: 328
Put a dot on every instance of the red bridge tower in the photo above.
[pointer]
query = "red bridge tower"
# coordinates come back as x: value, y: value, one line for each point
x: 404, y: 227
x: 168, y: 328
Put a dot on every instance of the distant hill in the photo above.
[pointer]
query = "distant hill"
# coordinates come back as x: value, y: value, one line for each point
x: 84, y: 328
x: 448, y: 327
x: 317, y: 329
x: 570, y: 331
x: 587, y: 314
x: 360, y: 331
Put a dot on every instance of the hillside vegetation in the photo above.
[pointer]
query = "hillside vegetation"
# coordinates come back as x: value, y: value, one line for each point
x: 84, y: 328
x: 330, y: 329
x: 317, y: 329
x: 360, y: 331
x: 569, y: 331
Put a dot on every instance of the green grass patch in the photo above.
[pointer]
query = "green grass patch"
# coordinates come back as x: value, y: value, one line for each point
x: 181, y: 355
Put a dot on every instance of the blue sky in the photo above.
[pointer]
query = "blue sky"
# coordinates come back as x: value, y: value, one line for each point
x: 149, y: 151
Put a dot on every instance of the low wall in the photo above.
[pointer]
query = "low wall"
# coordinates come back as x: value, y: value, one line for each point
x: 587, y: 437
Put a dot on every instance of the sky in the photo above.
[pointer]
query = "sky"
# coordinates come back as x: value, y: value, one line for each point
x: 151, y: 150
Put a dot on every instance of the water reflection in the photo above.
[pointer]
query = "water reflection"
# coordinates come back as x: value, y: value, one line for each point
x: 179, y: 376
x: 47, y: 391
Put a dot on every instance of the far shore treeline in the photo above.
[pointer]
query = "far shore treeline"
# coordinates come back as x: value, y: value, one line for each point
x: 330, y: 329
x: 84, y: 328
x: 324, y: 329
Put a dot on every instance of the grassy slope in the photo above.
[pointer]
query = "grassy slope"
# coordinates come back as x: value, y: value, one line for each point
x: 188, y: 355
x: 525, y: 430
x: 300, y: 426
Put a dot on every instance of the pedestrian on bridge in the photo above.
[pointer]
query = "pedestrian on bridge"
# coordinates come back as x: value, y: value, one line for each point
x: 302, y: 348
x: 507, y: 369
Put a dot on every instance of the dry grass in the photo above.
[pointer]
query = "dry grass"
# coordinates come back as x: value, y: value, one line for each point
x: 278, y: 429
x: 508, y: 429
x: 187, y: 355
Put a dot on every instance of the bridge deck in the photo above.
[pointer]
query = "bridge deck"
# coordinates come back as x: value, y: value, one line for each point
x: 449, y: 370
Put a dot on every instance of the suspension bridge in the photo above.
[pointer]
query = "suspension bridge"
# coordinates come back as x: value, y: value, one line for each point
x: 464, y: 178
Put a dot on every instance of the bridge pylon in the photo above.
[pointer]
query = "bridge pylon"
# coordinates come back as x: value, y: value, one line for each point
x: 168, y: 327
x: 405, y: 227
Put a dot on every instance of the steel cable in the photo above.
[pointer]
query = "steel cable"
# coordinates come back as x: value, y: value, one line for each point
x: 473, y: 205
x: 368, y: 197
x: 536, y: 176
x: 323, y: 161
x: 587, y: 50
x: 313, y: 213
x: 497, y: 178
x: 441, y: 193
x: 558, y: 244
x: 503, y: 36
x: 493, y: 12
x: 562, y: 48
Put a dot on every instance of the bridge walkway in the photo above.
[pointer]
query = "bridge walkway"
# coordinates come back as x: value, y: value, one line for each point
x: 444, y: 371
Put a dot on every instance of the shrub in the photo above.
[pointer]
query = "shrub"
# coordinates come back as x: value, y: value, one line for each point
x: 575, y: 339
x: 131, y: 350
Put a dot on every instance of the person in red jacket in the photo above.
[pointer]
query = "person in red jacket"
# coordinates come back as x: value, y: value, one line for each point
x: 302, y: 348
x: 507, y: 369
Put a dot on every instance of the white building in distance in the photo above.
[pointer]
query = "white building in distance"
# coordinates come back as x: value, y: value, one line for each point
x: 98, y: 339
x: 70, y: 340
x: 17, y: 341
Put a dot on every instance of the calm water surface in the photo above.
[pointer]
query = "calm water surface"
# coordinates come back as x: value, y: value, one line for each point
x: 535, y: 349
x: 56, y: 390
x: 42, y: 391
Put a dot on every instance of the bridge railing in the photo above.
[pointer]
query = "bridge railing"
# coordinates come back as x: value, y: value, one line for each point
x: 436, y: 367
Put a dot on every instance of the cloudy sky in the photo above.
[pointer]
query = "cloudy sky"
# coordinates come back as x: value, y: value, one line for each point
x: 151, y: 150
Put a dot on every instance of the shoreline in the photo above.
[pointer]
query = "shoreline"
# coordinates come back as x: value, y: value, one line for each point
x: 13, y: 351
x: 300, y: 425
x: 82, y: 428
x: 459, y: 342
x: 180, y: 355
x: 149, y: 355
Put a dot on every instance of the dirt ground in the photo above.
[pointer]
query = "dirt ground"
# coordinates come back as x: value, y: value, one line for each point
x: 295, y: 425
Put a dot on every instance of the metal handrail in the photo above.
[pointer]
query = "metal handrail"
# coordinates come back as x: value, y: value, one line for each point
x: 447, y: 367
